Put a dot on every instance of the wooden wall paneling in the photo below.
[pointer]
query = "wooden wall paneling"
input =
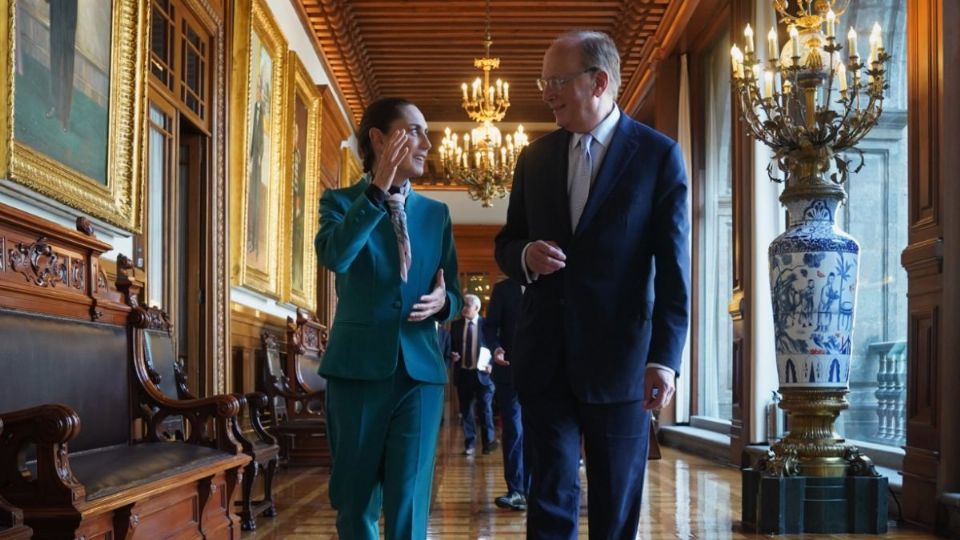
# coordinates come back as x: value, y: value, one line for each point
x: 948, y: 62
x: 923, y: 259
x: 475, y: 249
x: 741, y: 13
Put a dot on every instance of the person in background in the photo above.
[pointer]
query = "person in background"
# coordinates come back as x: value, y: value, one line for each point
x: 597, y: 228
x: 396, y: 276
x: 500, y: 324
x: 471, y: 375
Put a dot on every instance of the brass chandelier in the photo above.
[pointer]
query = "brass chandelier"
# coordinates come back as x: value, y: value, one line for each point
x: 806, y: 103
x: 483, y: 160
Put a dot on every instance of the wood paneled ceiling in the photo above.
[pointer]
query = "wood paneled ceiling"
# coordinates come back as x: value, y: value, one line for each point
x: 424, y: 49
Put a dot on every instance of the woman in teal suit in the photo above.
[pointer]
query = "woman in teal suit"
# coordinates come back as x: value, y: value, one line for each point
x: 391, y: 249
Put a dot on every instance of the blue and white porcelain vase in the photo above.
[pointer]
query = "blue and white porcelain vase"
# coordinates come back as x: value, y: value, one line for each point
x: 813, y: 283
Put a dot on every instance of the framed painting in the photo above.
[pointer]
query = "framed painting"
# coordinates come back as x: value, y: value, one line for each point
x: 302, y: 117
x: 73, y: 103
x: 256, y: 143
x: 350, y: 167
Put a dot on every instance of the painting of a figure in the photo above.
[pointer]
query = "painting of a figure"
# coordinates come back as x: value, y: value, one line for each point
x: 259, y: 151
x: 62, y: 78
x: 298, y: 186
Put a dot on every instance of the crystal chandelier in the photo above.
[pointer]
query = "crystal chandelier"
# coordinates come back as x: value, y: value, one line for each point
x: 483, y: 161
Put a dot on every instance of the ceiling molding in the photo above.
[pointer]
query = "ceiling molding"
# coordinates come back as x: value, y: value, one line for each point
x: 654, y: 50
x: 424, y: 49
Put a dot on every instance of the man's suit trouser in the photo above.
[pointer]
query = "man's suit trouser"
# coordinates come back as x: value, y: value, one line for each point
x: 615, y: 440
x: 512, y: 439
x: 383, y: 439
x: 470, y: 391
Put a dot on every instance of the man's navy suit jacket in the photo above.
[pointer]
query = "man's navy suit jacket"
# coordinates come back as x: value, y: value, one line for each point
x: 500, y: 324
x: 622, y: 299
x: 460, y: 375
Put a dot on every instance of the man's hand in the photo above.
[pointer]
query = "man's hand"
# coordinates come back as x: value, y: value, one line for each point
x: 393, y: 154
x: 499, y: 357
x: 658, y: 388
x: 544, y: 257
x: 430, y: 303
x: 454, y: 357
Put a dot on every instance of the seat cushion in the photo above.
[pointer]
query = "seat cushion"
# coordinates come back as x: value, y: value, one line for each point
x: 112, y: 470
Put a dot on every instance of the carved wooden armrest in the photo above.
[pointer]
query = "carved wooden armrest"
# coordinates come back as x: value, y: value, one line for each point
x: 220, y: 410
x: 283, y: 389
x: 257, y: 403
x: 49, y: 428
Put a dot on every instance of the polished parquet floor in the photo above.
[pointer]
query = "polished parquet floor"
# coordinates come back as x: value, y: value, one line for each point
x: 686, y: 497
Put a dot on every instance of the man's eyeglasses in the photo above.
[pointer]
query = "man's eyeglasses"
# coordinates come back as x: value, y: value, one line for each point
x: 556, y: 83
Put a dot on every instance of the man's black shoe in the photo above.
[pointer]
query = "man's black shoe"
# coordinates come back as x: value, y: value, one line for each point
x: 493, y: 445
x: 512, y: 500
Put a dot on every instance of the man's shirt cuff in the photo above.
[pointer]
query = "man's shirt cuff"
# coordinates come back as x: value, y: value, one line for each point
x: 654, y: 365
x: 531, y: 276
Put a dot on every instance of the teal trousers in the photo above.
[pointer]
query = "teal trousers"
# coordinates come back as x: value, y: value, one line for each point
x: 383, y: 440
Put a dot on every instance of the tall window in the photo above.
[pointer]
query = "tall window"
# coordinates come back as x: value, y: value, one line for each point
x: 714, y: 222
x: 177, y: 156
x: 876, y: 215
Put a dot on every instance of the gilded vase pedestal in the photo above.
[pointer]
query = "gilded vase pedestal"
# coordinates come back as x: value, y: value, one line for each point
x: 812, y: 480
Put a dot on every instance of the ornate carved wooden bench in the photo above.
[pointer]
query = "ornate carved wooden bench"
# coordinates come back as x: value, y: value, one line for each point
x: 83, y: 452
x: 11, y: 519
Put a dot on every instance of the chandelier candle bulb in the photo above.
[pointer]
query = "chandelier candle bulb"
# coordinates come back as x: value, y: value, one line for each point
x: 876, y: 43
x: 842, y: 78
x: 831, y: 24
x: 852, y: 43
x: 506, y: 91
x: 768, y: 84
x: 748, y: 34
x: 737, y: 58
x: 772, y: 48
x: 464, y: 87
x: 795, y: 43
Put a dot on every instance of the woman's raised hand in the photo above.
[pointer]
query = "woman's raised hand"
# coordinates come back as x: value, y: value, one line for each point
x: 385, y: 169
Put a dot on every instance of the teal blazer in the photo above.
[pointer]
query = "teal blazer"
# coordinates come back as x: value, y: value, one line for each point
x: 357, y: 242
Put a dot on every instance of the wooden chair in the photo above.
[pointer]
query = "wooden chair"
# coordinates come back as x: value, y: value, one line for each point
x: 168, y: 373
x: 306, y: 343
x: 302, y: 435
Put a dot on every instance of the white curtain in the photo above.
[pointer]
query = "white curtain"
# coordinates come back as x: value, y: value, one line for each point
x: 684, y: 139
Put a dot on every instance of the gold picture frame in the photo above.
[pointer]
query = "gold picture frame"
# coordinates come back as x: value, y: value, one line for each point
x: 302, y: 116
x: 256, y: 142
x: 350, y: 167
x: 81, y: 144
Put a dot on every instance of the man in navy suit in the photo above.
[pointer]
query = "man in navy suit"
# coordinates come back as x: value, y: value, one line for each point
x: 500, y: 324
x: 472, y: 379
x: 597, y: 229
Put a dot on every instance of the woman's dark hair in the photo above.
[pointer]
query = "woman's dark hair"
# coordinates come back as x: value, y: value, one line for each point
x: 379, y: 114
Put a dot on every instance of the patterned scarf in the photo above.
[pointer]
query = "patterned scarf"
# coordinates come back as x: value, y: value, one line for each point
x: 396, y: 201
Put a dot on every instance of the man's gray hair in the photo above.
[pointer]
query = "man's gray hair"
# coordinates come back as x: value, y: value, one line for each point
x: 598, y: 50
x: 471, y: 299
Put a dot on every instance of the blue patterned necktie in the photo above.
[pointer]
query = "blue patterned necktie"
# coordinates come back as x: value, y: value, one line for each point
x: 579, y: 188
x: 398, y: 218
